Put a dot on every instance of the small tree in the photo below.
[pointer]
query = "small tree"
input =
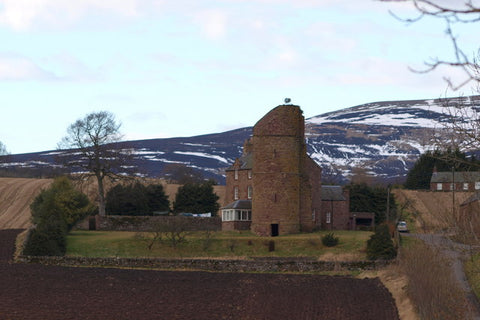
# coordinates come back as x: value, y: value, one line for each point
x: 364, y: 198
x: 60, y: 202
x: 172, y: 231
x: 196, y: 198
x: 380, y: 245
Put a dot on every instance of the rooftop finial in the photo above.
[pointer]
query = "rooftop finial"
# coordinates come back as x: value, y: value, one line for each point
x: 287, y: 100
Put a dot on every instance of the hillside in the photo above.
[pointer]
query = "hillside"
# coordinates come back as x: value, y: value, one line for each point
x: 384, y: 139
x: 16, y: 194
x: 432, y: 210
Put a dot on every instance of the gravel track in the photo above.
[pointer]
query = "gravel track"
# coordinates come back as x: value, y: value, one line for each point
x: 456, y: 253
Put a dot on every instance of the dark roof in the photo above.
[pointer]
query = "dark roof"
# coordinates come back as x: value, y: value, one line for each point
x: 460, y: 176
x: 240, y: 204
x: 332, y: 193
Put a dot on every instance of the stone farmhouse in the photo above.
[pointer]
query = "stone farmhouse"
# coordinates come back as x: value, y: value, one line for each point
x: 275, y: 188
x: 458, y: 181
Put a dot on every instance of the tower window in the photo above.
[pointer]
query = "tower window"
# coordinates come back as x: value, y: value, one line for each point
x: 235, y: 193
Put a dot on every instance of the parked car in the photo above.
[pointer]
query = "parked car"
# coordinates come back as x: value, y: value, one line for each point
x: 186, y: 214
x: 402, y: 226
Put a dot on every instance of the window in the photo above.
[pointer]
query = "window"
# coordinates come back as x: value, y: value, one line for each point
x: 236, y: 215
x: 452, y: 186
x: 236, y: 174
x: 249, y: 192
x: 313, y: 215
x: 249, y: 174
x: 329, y: 217
x: 465, y: 186
x: 228, y: 215
x: 235, y: 193
x: 439, y: 187
x: 477, y: 185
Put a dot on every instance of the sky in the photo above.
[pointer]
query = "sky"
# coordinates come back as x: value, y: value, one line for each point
x: 182, y: 68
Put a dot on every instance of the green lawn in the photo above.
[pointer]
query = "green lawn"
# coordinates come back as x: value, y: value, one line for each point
x: 472, y: 270
x: 221, y: 244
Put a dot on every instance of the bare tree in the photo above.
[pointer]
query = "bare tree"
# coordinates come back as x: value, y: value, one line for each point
x: 3, y: 149
x: 94, y: 155
x: 453, y: 13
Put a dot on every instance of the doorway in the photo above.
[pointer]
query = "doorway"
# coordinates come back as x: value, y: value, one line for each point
x: 274, y: 229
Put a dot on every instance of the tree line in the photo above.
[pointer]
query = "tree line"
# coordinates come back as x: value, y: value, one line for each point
x: 139, y: 199
x: 419, y: 175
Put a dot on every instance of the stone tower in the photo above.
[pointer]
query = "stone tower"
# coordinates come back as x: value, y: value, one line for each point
x: 286, y: 182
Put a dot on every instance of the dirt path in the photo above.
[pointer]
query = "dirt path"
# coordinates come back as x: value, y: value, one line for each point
x: 456, y: 253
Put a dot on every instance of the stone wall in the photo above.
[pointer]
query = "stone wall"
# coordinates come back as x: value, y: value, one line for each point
x: 242, y: 182
x: 236, y: 225
x: 224, y: 265
x: 145, y: 223
x: 310, y: 210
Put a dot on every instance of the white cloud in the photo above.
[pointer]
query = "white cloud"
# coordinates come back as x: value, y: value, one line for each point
x: 22, y: 15
x: 20, y: 68
x: 213, y: 23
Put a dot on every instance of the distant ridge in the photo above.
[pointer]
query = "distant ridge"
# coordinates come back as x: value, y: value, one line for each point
x: 383, y: 138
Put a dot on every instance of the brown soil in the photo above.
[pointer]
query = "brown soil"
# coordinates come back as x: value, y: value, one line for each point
x: 397, y: 284
x: 48, y: 292
x: 16, y: 194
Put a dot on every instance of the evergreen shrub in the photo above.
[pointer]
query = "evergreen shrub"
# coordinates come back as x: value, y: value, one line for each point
x: 329, y: 240
x: 54, y: 212
x: 380, y: 245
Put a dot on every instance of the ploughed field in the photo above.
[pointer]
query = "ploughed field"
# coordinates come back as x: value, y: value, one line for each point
x: 16, y: 194
x: 31, y: 291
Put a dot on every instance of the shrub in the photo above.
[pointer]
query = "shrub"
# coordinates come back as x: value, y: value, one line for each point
x: 329, y: 240
x: 380, y: 245
x: 47, y: 240
x: 54, y: 212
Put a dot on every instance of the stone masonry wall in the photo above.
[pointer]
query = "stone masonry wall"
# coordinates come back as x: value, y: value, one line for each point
x: 310, y: 212
x: 241, y: 183
x: 146, y: 223
x: 340, y: 215
x: 276, y: 181
x: 278, y: 151
x: 225, y: 265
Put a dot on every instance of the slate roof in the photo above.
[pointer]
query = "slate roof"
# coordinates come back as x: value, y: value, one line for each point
x: 332, y: 193
x: 246, y: 162
x: 460, y: 176
x: 240, y: 204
